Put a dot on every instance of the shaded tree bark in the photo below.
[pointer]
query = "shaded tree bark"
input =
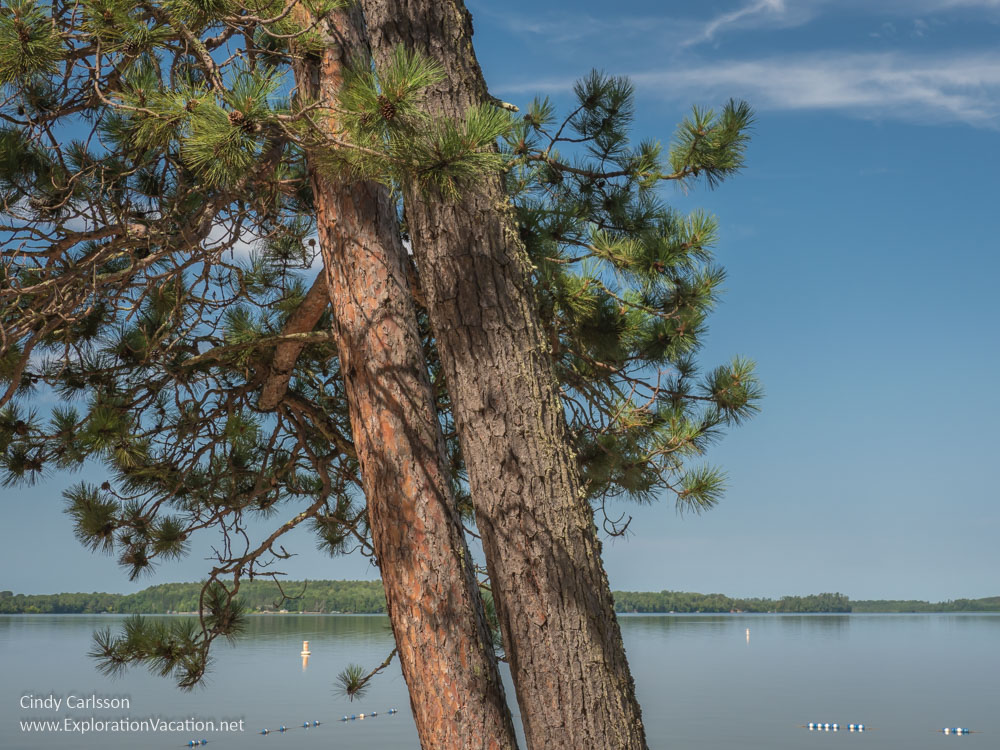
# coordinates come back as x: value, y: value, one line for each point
x: 432, y: 594
x: 552, y: 595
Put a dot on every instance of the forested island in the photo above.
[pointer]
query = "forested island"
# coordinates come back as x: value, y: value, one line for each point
x: 367, y: 597
x: 682, y: 601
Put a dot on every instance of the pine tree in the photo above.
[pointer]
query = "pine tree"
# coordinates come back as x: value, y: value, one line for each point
x: 550, y: 590
x: 144, y: 144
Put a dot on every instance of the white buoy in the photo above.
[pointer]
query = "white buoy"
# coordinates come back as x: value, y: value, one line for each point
x: 305, y: 649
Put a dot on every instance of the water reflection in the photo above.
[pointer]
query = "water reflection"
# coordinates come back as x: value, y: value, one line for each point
x: 822, y: 626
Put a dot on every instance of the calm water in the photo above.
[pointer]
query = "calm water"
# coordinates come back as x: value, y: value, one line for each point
x: 701, y: 683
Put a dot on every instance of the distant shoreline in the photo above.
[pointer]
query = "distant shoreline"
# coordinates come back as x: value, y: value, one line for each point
x: 367, y: 597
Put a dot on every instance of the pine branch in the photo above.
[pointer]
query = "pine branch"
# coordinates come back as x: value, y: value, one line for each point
x: 303, y: 320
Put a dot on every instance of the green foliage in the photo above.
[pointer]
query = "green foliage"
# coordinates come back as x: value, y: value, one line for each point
x: 351, y: 681
x: 625, y: 285
x: 224, y: 142
x: 177, y: 649
x: 378, y: 107
x: 93, y: 517
x: 456, y: 153
x: 29, y: 41
x: 200, y: 14
x: 122, y: 28
x: 398, y: 142
x: 712, y: 145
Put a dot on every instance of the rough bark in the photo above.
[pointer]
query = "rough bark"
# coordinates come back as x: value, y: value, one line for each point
x: 433, y: 599
x: 552, y: 595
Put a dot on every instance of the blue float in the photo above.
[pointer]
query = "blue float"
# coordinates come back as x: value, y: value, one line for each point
x: 956, y: 730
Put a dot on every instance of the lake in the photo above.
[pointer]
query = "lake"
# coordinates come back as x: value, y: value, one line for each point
x: 702, y: 683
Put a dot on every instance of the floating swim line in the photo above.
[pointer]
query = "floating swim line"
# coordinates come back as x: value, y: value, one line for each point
x: 818, y: 726
x: 304, y: 725
x: 310, y: 724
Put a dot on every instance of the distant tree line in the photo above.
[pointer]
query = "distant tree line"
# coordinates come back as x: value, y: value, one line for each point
x: 989, y: 604
x: 687, y: 601
x: 367, y: 597
x: 357, y: 597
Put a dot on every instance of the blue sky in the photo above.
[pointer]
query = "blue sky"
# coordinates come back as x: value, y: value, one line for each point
x: 862, y: 252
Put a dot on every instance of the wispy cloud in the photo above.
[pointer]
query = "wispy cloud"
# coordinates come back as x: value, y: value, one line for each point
x: 562, y: 27
x: 770, y: 14
x: 757, y: 12
x: 963, y: 89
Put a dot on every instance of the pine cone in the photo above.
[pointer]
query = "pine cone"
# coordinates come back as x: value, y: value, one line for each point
x: 130, y: 47
x: 23, y: 34
x: 386, y: 108
x: 239, y: 120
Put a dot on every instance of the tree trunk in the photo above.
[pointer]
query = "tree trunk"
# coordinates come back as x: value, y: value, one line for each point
x: 542, y: 551
x: 433, y: 599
